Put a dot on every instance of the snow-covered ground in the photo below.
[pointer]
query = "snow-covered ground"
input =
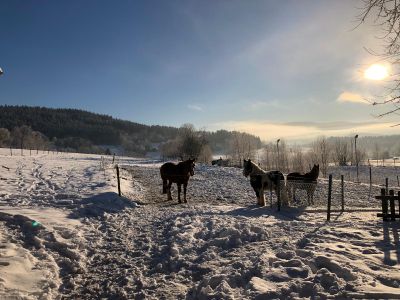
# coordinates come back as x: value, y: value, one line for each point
x: 65, y: 233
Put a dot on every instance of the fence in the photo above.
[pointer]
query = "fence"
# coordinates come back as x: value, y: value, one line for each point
x: 121, y: 172
x: 336, y: 194
x: 343, y: 194
x: 389, y: 199
x: 368, y: 174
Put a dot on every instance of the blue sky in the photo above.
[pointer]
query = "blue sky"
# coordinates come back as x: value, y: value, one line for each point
x: 289, y: 69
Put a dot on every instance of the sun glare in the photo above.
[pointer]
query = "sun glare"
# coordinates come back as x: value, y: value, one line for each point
x: 376, y: 72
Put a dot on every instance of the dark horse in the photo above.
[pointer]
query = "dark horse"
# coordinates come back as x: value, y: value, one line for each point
x: 179, y: 174
x: 261, y: 180
x: 307, y: 181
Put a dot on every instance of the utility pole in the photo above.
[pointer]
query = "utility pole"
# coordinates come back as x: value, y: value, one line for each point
x: 355, y: 150
x: 277, y: 148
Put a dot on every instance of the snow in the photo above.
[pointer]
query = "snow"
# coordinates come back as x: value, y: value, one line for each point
x: 65, y: 233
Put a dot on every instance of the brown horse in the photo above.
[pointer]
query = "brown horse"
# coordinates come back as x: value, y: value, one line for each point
x: 307, y: 182
x: 179, y: 174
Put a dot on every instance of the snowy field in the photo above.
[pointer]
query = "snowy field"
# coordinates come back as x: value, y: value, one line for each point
x: 65, y: 233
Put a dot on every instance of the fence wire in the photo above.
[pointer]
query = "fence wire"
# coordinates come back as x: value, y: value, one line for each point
x: 352, y: 195
x: 378, y: 174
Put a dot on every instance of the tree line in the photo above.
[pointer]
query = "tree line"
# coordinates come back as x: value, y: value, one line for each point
x: 340, y: 151
x: 86, y: 132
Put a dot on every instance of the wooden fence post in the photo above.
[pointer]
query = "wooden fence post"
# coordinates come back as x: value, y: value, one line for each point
x: 113, y: 158
x: 119, y: 184
x: 328, y: 216
x: 384, y: 205
x: 370, y: 176
x: 278, y: 194
x: 398, y: 199
x: 342, y: 185
x: 398, y: 182
x: 387, y: 185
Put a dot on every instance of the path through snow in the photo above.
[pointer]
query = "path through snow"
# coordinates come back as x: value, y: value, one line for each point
x: 91, y: 244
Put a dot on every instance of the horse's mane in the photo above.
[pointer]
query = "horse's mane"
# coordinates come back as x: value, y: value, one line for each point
x: 314, y: 172
x: 312, y: 175
x: 256, y: 170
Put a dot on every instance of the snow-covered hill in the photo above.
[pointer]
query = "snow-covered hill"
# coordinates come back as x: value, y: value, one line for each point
x: 65, y: 233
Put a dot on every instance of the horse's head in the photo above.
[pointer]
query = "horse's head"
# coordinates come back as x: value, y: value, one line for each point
x: 315, y: 171
x: 247, y: 167
x: 191, y: 165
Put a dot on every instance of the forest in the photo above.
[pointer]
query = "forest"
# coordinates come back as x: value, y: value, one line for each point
x: 82, y: 131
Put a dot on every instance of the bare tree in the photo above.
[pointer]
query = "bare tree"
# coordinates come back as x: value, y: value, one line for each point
x: 170, y: 149
x: 322, y: 153
x: 297, y: 159
x: 341, y: 151
x: 190, y: 142
x: 39, y: 141
x: 242, y: 146
x: 4, y: 137
x: 205, y: 155
x: 386, y: 14
x: 267, y: 159
x: 376, y: 153
x: 20, y: 136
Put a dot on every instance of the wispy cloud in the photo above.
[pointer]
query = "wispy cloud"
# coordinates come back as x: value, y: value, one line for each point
x: 259, y: 104
x: 352, y: 98
x: 195, y: 107
x: 297, y: 131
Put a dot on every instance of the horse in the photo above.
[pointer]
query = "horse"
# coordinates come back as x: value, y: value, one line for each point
x: 179, y: 174
x: 220, y: 162
x: 307, y: 181
x: 261, y: 180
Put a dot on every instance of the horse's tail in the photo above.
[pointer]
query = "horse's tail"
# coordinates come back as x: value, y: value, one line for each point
x: 164, y: 186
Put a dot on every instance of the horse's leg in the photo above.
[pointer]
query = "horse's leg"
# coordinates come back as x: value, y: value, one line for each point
x: 184, y: 191
x: 169, y: 190
x: 270, y: 196
x: 179, y: 192
x: 258, y: 196
x: 164, y: 186
x: 262, y: 198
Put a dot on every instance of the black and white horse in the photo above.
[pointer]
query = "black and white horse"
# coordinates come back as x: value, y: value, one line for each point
x: 307, y: 182
x: 261, y: 180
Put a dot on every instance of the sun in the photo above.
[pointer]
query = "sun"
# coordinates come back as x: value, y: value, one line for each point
x: 376, y: 72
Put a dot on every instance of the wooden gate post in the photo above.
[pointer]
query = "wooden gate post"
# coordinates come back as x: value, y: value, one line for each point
x: 119, y: 184
x: 392, y: 208
x: 398, y: 200
x: 328, y: 216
